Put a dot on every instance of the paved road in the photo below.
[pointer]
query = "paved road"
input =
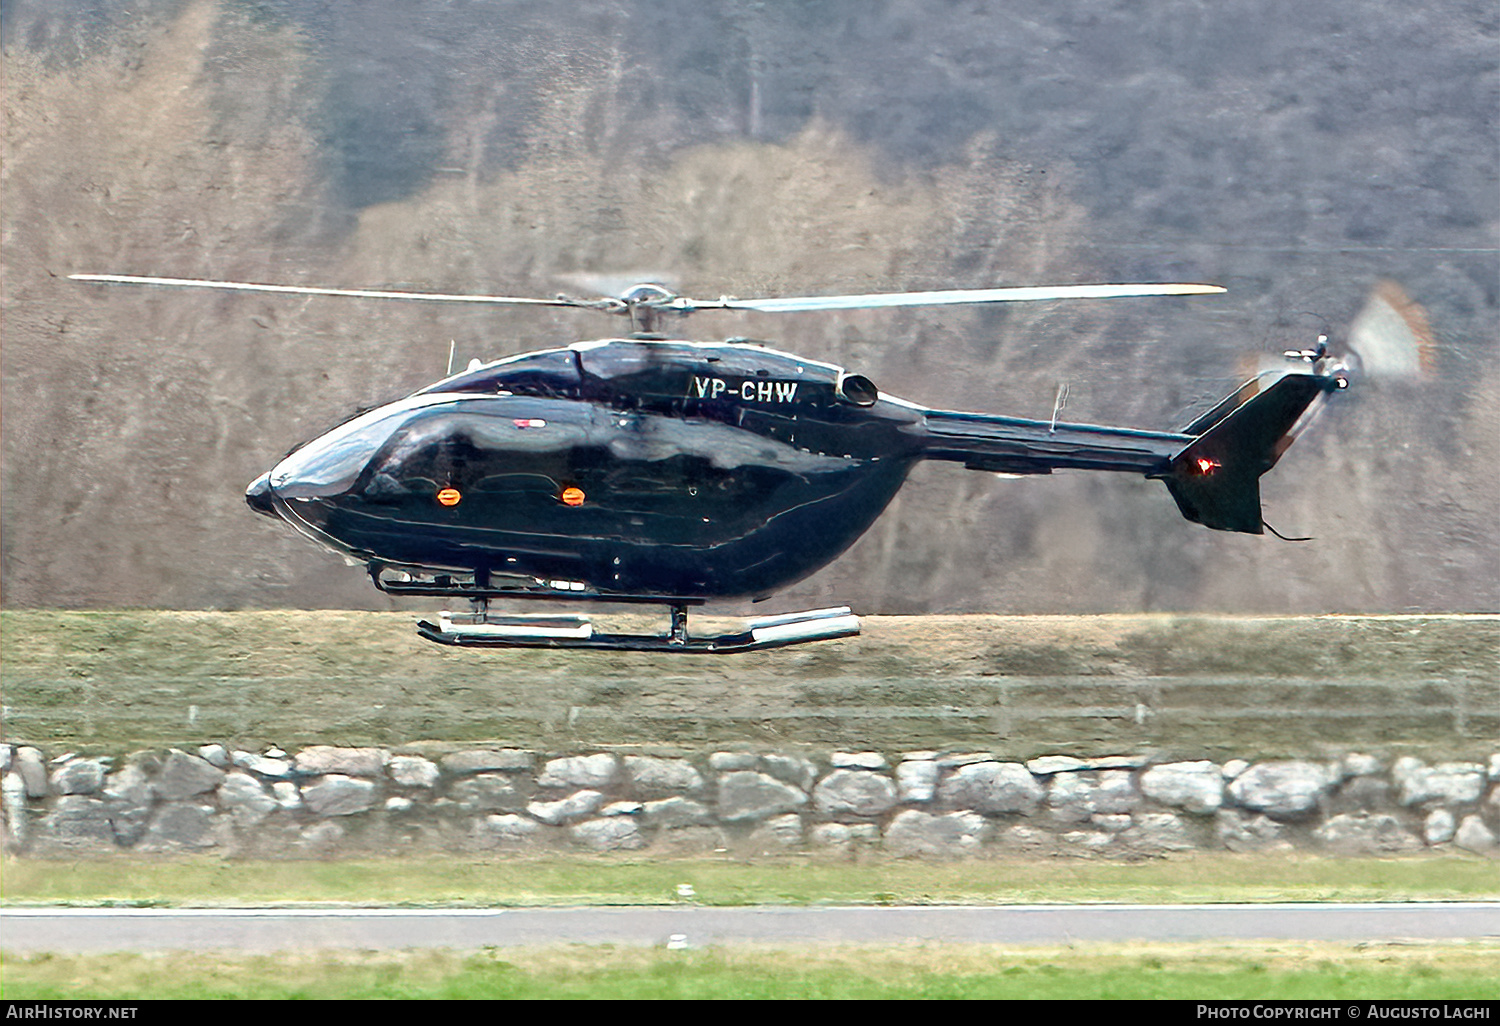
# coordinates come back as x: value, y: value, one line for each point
x: 79, y: 930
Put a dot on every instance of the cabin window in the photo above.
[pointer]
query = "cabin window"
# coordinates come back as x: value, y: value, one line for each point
x: 553, y: 373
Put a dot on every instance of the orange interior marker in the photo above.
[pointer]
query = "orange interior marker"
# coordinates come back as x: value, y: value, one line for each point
x: 572, y: 496
x: 449, y: 496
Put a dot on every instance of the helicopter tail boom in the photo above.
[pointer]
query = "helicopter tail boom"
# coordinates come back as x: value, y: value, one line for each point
x: 1012, y: 445
x: 1212, y: 467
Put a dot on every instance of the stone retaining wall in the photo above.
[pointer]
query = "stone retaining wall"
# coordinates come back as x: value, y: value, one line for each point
x: 327, y: 802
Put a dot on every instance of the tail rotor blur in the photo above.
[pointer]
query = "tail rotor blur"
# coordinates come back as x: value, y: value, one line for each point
x: 1390, y: 337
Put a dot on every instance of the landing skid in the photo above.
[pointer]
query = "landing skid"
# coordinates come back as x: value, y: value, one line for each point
x: 482, y: 630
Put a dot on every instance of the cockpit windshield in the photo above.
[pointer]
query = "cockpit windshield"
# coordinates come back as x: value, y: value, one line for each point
x: 330, y: 464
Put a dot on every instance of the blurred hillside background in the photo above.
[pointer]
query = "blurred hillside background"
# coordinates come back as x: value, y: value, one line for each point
x: 1319, y: 160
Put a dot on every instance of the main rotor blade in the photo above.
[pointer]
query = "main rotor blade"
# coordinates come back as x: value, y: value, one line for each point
x: 304, y: 290
x: 1017, y: 294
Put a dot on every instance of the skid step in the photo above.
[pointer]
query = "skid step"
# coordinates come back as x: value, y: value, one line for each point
x: 540, y: 625
x: 577, y: 632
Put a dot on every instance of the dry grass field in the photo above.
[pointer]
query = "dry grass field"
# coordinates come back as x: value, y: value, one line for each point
x: 1200, y: 686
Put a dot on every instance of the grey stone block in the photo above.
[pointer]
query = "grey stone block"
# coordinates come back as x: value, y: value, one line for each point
x: 487, y: 760
x: 1047, y: 765
x: 13, y: 798
x: 1282, y: 789
x: 245, y: 799
x: 857, y: 760
x: 1116, y: 762
x: 844, y: 835
x: 567, y: 810
x: 1439, y: 827
x: 948, y: 836
x: 183, y: 776
x: 263, y: 765
x: 675, y: 813
x: 413, y: 771
x: 593, y: 771
x: 1076, y: 797
x: 1357, y: 764
x: 793, y: 769
x: 1449, y: 783
x: 855, y: 792
x: 33, y: 770
x: 725, y: 762
x: 339, y: 795
x: 1089, y: 840
x: 746, y: 795
x: 1196, y: 787
x: 992, y: 788
x: 507, y: 830
x: 129, y: 796
x: 652, y: 776
x: 1473, y: 835
x: 77, y: 821
x: 917, y: 780
x: 180, y: 825
x: 79, y: 776
x: 615, y: 833
x: 321, y: 760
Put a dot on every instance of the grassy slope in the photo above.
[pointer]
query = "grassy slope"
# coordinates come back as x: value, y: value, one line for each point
x: 112, y: 681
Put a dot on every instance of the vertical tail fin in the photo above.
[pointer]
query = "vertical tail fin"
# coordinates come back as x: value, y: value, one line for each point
x: 1216, y: 479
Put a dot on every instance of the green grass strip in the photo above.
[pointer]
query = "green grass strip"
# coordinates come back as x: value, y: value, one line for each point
x: 1184, y: 971
x: 591, y: 880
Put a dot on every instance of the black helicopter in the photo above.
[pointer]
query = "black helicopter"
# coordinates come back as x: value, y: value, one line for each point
x: 647, y: 469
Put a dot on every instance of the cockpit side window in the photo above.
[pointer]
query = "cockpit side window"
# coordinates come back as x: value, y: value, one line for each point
x: 549, y: 374
x: 622, y: 362
x: 619, y: 362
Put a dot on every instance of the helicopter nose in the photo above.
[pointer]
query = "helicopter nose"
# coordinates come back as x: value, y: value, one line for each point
x: 258, y: 495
